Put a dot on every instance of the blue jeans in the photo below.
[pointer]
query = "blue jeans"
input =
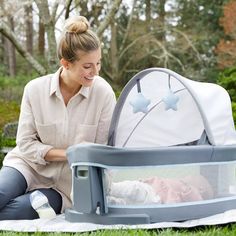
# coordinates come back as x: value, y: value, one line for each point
x: 14, y: 200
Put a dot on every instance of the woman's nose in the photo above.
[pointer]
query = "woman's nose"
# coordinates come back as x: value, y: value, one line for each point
x: 96, y: 70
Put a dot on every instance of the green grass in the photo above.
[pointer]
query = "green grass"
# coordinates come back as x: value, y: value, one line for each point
x: 226, y: 230
x: 9, y: 112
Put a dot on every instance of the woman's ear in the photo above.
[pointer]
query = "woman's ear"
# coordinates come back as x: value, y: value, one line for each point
x: 64, y: 63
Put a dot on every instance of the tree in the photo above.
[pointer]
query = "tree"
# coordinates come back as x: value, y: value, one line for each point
x: 226, y: 48
x: 49, y: 18
x: 9, y: 50
x: 29, y: 28
x: 145, y: 38
x: 198, y: 19
x: 49, y: 21
x: 41, y: 38
x: 11, y: 53
x: 227, y: 79
x: 111, y: 14
x: 7, y: 32
x: 145, y: 33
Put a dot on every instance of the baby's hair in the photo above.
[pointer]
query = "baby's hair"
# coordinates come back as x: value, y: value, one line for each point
x: 75, y: 36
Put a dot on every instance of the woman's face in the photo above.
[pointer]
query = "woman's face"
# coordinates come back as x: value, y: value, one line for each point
x: 83, y: 70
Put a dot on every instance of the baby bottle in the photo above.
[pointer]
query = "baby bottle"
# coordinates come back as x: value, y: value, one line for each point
x: 40, y: 204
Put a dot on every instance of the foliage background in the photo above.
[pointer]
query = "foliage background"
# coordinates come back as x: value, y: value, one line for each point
x: 195, y: 38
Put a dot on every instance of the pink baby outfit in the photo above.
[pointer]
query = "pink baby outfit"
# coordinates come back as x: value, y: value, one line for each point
x: 187, y: 189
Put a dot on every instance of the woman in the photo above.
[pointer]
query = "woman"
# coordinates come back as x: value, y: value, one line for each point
x: 58, y: 110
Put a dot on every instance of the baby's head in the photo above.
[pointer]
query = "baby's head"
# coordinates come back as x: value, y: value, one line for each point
x: 200, y: 183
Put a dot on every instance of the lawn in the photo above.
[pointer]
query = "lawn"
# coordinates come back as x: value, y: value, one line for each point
x: 226, y: 230
x: 9, y: 112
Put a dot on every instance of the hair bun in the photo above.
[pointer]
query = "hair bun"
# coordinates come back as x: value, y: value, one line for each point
x: 77, y: 25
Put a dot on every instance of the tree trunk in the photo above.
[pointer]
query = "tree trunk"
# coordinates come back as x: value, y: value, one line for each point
x: 114, y: 57
x: 7, y: 32
x: 148, y: 15
x: 68, y: 5
x: 109, y: 17
x: 49, y: 23
x: 162, y: 14
x: 2, y: 51
x: 11, y: 52
x: 5, y: 54
x: 41, y: 38
x: 148, y: 28
x: 29, y: 28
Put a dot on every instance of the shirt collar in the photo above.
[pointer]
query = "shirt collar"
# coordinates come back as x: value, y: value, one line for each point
x: 55, y: 89
x: 55, y: 82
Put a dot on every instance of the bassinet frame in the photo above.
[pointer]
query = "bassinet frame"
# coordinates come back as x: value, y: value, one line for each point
x: 89, y: 161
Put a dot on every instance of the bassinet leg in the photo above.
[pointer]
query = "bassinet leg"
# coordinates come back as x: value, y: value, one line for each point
x: 87, y: 189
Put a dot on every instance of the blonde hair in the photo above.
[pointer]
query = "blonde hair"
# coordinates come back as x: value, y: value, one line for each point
x: 75, y: 36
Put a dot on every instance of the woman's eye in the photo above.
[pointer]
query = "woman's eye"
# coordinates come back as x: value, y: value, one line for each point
x: 87, y: 67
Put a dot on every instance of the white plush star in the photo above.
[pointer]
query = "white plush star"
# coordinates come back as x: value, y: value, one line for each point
x: 140, y: 103
x: 171, y: 101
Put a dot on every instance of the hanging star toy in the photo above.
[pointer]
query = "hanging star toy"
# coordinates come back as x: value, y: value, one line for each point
x: 140, y: 103
x: 171, y: 101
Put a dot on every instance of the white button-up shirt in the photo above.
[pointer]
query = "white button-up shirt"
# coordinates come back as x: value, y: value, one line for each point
x: 46, y: 122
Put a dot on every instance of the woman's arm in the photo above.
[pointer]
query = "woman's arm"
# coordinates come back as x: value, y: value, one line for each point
x: 28, y: 140
x: 55, y: 155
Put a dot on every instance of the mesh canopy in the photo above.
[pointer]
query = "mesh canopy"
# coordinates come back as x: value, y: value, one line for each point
x: 158, y: 107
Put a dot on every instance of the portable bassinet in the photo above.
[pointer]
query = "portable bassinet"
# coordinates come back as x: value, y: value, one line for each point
x: 171, y: 155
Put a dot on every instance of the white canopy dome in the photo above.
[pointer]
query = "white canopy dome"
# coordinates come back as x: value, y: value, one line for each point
x: 159, y: 107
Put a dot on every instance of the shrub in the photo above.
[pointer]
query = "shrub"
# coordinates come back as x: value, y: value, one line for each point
x: 9, y: 112
x: 234, y: 111
x: 227, y: 79
x: 1, y: 159
x: 11, y: 89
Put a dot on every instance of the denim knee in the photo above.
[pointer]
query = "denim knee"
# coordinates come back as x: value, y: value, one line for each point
x: 12, y: 184
x: 18, y: 209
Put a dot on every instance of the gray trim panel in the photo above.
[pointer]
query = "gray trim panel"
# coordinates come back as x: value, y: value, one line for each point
x: 132, y: 216
x: 113, y: 156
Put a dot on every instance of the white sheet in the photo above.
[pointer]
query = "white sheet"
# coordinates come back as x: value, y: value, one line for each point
x: 59, y: 224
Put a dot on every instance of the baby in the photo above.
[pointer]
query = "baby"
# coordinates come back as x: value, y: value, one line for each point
x: 187, y: 189
x: 157, y: 190
x: 132, y: 192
